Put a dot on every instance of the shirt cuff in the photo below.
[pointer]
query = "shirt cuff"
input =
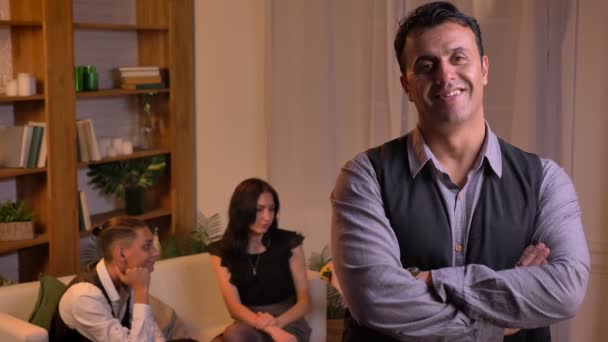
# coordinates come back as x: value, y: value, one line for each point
x: 141, y: 311
x: 449, y: 283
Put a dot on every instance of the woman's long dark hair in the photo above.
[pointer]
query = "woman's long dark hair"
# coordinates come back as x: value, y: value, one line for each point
x: 242, y: 213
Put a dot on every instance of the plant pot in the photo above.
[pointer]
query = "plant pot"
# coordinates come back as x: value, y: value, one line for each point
x: 134, y: 201
x: 13, y: 231
x: 335, y: 328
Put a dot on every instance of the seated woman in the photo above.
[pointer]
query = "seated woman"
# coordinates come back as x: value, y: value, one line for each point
x: 261, y: 270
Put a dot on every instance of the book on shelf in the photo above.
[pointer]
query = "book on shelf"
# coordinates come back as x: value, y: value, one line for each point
x: 140, y: 80
x: 83, y: 147
x: 41, y: 162
x: 88, y: 146
x: 15, y: 142
x: 139, y: 68
x: 140, y: 73
x: 93, y: 143
x: 159, y: 85
x: 34, y: 152
x: 81, y: 227
x: 84, y: 212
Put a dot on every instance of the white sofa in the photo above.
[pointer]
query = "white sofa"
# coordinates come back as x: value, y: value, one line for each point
x: 185, y: 283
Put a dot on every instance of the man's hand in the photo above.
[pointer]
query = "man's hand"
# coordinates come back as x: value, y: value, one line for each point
x: 264, y: 320
x: 426, y: 277
x: 534, y: 256
x: 137, y: 278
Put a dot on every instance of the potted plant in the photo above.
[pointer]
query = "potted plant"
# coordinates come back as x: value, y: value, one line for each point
x: 127, y: 179
x: 206, y: 230
x: 16, y: 221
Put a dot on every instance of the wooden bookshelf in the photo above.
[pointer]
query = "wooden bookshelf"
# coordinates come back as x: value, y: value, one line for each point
x: 6, y: 99
x: 134, y: 155
x: 42, y: 34
x: 10, y: 246
x: 20, y: 23
x: 118, y: 27
x: 120, y: 92
x: 98, y: 219
x: 16, y: 172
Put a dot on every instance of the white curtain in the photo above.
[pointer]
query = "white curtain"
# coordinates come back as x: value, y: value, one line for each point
x: 332, y: 90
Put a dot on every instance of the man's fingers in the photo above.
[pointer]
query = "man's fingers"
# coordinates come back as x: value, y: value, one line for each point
x: 534, y: 255
x: 526, y: 257
x: 541, y: 257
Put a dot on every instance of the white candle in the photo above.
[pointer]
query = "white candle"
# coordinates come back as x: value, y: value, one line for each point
x: 117, y: 145
x: 127, y: 147
x: 111, y: 152
x: 11, y: 88
x: 26, y: 84
x: 104, y: 144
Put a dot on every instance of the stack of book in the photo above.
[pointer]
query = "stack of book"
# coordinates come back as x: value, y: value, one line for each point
x: 23, y: 146
x: 147, y: 77
x: 88, y: 146
x: 84, y: 216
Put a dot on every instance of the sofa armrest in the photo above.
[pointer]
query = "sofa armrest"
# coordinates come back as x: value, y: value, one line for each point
x: 13, y: 329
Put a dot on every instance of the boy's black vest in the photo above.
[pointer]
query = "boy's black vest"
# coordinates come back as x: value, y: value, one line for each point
x: 501, y: 228
x: 59, y: 331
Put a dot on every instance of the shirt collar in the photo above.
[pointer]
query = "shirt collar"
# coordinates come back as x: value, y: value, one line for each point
x: 419, y: 153
x: 106, y: 281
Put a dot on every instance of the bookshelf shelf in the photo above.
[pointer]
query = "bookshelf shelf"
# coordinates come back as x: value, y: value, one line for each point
x: 12, y: 246
x: 20, y: 23
x: 37, y: 97
x: 134, y: 155
x: 118, y: 27
x: 98, y: 219
x: 15, y: 172
x: 119, y: 92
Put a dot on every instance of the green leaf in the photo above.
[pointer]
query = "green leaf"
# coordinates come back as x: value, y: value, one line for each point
x: 113, y: 178
x: 15, y: 212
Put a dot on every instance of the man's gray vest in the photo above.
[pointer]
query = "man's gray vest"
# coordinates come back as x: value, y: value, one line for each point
x: 502, y: 226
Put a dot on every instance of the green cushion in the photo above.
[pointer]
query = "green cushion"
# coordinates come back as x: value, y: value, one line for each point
x: 49, y: 295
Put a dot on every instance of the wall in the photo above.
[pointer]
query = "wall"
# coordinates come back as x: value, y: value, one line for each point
x: 230, y: 120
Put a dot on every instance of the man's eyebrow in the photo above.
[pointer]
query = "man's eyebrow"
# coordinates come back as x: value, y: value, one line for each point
x: 459, y: 49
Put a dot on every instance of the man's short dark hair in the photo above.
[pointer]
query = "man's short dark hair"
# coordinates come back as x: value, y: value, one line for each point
x: 430, y: 15
x: 114, y: 229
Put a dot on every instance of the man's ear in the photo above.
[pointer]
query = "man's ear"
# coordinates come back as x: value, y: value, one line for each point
x: 485, y: 67
x: 118, y: 252
x: 404, y: 85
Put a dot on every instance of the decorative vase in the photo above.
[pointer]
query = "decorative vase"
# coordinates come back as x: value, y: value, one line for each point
x: 147, y: 134
x: 134, y: 204
x: 147, y: 131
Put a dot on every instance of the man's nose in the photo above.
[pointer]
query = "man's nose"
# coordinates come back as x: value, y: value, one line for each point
x: 444, y: 73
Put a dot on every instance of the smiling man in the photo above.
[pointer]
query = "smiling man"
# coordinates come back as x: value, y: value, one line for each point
x: 110, y: 302
x: 449, y: 233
